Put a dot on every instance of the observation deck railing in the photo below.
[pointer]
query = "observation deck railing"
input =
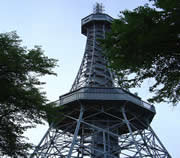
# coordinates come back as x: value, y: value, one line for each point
x: 103, y: 94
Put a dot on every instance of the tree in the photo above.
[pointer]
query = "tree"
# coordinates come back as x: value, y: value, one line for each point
x: 145, y: 43
x: 22, y: 103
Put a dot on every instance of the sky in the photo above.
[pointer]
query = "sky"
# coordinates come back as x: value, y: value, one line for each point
x: 56, y: 26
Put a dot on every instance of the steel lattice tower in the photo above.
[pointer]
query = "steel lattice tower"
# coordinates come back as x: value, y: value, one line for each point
x: 97, y: 119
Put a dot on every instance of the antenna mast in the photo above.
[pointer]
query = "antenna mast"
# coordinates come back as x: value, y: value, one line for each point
x: 98, y: 8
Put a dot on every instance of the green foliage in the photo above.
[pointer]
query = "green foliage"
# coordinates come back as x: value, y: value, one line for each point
x: 145, y: 43
x: 21, y: 101
x: 54, y: 112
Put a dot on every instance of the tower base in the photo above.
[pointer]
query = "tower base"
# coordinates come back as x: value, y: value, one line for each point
x: 112, y: 136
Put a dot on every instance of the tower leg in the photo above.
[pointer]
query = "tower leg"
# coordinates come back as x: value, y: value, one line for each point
x: 130, y: 131
x: 76, y: 132
x: 152, y: 131
x: 146, y: 142
x: 45, y: 135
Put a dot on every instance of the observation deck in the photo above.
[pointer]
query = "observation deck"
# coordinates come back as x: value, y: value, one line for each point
x: 94, y: 18
x: 112, y: 100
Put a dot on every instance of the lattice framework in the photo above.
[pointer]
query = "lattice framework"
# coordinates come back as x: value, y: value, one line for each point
x: 75, y: 140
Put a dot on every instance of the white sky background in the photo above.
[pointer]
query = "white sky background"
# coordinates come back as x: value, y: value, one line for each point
x: 56, y: 26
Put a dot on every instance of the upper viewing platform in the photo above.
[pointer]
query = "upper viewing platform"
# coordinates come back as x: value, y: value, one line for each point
x: 96, y: 16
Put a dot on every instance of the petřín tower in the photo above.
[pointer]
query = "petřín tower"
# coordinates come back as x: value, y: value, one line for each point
x: 96, y: 119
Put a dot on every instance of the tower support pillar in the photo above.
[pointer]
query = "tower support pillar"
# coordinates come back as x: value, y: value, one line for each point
x: 76, y: 132
x: 130, y: 130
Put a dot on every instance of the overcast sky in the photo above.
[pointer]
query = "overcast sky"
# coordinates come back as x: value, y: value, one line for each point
x: 56, y: 26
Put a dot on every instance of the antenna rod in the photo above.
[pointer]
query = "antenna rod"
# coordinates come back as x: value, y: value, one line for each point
x: 98, y: 8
